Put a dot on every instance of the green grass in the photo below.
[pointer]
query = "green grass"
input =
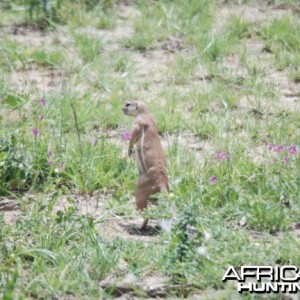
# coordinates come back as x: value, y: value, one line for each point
x: 144, y: 36
x: 45, y: 58
x: 105, y: 22
x: 283, y: 43
x: 65, y: 246
x: 217, y: 121
x: 89, y: 47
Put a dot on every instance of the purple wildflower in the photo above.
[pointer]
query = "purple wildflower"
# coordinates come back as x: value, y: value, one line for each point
x: 279, y: 148
x: 50, y: 163
x: 286, y: 160
x: 49, y: 154
x: 43, y: 102
x: 270, y: 146
x: 221, y: 155
x: 35, y: 132
x: 293, y: 149
x: 41, y: 118
x: 213, y: 180
x: 126, y: 136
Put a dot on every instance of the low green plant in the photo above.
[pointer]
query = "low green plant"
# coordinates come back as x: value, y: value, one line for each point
x: 186, y: 251
x: 10, y: 55
x: 269, y: 216
x: 45, y: 10
x: 89, y: 47
x: 205, y: 128
x: 121, y: 61
x: 182, y: 70
x: 280, y: 40
x: 105, y: 21
x: 20, y: 169
x: 143, y: 38
x: 238, y: 29
x: 46, y: 58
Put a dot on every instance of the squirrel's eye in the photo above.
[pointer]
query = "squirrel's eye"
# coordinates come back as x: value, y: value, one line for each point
x: 127, y: 104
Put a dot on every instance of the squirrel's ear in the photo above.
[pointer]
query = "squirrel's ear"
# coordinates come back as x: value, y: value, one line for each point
x: 136, y: 106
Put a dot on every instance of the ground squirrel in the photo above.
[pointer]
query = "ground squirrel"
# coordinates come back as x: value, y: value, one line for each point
x: 149, y: 156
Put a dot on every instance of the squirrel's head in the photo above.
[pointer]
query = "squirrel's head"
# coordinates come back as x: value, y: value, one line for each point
x: 134, y: 108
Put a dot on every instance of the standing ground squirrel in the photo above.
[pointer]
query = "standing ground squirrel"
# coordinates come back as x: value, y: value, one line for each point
x: 149, y: 156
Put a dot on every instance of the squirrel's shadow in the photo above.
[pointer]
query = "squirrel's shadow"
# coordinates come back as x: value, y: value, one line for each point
x: 134, y: 230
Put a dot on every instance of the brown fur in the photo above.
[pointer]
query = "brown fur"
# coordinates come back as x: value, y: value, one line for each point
x: 153, y: 177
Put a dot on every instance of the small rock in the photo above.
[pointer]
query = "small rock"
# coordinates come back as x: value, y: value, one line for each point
x: 243, y: 221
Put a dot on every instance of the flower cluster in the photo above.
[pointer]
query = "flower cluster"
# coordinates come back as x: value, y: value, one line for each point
x: 287, y: 151
x: 213, y: 180
x: 50, y: 162
x: 36, y: 132
x: 49, y: 154
x: 221, y: 155
x: 125, y: 135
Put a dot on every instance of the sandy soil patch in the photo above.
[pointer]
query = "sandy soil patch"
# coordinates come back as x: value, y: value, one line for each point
x: 259, y: 14
x: 39, y: 80
x: 9, y: 206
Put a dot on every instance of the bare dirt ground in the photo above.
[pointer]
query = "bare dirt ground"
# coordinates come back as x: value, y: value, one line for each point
x: 10, y: 208
x: 150, y: 64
